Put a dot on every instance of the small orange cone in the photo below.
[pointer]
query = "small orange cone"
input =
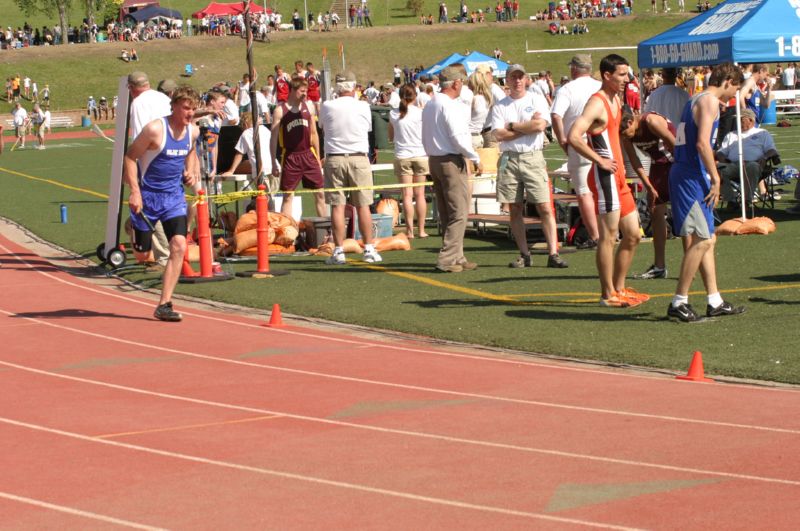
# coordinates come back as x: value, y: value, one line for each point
x: 696, y: 372
x: 275, y: 319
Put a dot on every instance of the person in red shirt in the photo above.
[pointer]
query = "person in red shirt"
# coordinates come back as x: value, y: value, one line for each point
x: 633, y: 97
x: 312, y: 77
x: 281, y: 85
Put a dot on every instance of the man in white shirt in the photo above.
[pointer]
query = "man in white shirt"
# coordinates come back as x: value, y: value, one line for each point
x: 371, y: 93
x: 789, y: 77
x: 246, y: 146
x: 518, y: 122
x: 668, y: 100
x: 346, y: 123
x: 20, y: 124
x: 448, y: 143
x: 567, y: 107
x: 757, y: 146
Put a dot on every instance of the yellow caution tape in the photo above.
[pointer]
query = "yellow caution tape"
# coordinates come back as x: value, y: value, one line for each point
x: 230, y: 197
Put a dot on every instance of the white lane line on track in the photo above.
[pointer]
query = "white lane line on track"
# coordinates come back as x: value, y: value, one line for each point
x: 364, y: 343
x: 316, y: 480
x: 433, y: 390
x: 409, y: 433
x: 76, y: 512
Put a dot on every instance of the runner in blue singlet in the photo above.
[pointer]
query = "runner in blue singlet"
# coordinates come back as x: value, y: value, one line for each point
x: 694, y: 192
x: 162, y: 154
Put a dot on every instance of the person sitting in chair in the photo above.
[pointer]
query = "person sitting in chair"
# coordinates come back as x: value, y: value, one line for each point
x: 757, y: 147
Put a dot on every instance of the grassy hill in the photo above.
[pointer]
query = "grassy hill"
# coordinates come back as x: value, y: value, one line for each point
x: 76, y: 71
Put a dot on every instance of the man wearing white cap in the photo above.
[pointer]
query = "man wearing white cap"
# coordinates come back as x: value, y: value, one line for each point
x: 518, y: 122
x: 448, y: 143
x: 567, y: 107
x: 346, y: 123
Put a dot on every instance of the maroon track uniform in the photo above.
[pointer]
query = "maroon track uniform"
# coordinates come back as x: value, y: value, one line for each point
x: 297, y: 157
x: 660, y: 158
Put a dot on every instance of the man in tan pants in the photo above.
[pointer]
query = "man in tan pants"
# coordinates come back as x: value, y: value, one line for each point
x: 447, y: 141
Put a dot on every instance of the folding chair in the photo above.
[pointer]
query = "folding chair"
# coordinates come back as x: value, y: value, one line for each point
x: 188, y: 70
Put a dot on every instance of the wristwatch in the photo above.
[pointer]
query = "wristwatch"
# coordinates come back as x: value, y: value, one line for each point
x: 510, y: 126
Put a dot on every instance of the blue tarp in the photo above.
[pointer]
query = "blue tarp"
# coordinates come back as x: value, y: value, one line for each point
x: 741, y: 31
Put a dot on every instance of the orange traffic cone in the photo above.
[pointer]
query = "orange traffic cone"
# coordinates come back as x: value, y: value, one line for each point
x: 275, y: 319
x: 696, y: 372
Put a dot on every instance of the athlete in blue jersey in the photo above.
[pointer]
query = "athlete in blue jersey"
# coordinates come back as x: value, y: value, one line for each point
x: 694, y: 192
x: 751, y: 95
x: 155, y: 169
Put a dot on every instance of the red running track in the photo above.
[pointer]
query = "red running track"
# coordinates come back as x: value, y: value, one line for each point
x: 110, y: 418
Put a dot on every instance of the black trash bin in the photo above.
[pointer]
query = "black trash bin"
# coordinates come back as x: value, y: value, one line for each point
x: 379, y: 137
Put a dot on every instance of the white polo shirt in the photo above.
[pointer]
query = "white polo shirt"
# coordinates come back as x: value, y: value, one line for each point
x: 246, y: 146
x: 521, y: 110
x: 346, y: 123
x: 571, y: 99
x: 445, y: 129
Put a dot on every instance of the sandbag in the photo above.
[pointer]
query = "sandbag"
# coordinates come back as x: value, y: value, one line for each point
x: 249, y: 238
x: 760, y: 225
x: 398, y: 242
x: 389, y: 207
x: 351, y: 246
x: 273, y: 249
x: 247, y: 221
x: 729, y: 227
x: 286, y: 236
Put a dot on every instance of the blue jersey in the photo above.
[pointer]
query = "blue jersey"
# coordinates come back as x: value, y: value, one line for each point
x: 754, y: 104
x: 686, y: 154
x: 162, y: 170
x: 689, y: 182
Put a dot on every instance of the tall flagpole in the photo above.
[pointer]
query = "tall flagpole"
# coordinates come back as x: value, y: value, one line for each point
x: 251, y: 71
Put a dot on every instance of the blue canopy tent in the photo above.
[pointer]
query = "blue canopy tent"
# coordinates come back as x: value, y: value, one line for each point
x: 741, y: 31
x: 151, y: 12
x: 475, y: 59
x: 449, y: 60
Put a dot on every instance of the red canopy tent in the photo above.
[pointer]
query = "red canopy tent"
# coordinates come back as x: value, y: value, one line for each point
x: 215, y: 8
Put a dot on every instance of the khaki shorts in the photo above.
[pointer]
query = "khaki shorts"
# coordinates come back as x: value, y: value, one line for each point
x: 346, y: 171
x: 578, y: 168
x: 519, y: 174
x: 413, y: 167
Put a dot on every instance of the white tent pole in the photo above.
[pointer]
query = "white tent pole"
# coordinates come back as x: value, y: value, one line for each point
x: 741, y: 158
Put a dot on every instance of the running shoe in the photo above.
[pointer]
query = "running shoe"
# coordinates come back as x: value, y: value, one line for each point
x: 652, y: 272
x: 336, y: 259
x: 372, y: 257
x: 588, y: 244
x: 725, y: 308
x: 619, y: 302
x: 164, y: 312
x: 630, y: 293
x: 684, y: 312
x: 554, y: 260
x: 523, y: 260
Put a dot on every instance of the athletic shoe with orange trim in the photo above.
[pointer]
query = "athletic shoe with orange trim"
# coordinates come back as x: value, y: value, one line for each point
x: 631, y: 293
x: 618, y: 301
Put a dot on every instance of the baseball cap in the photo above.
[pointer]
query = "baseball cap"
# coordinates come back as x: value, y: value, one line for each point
x: 583, y: 60
x: 167, y: 85
x: 451, y: 73
x: 515, y: 68
x: 388, y: 86
x: 138, y: 79
x: 346, y: 77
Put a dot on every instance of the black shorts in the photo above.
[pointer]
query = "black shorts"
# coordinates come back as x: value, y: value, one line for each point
x: 143, y: 239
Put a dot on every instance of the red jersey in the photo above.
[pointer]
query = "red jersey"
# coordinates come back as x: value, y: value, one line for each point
x: 313, y: 87
x: 282, y: 89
